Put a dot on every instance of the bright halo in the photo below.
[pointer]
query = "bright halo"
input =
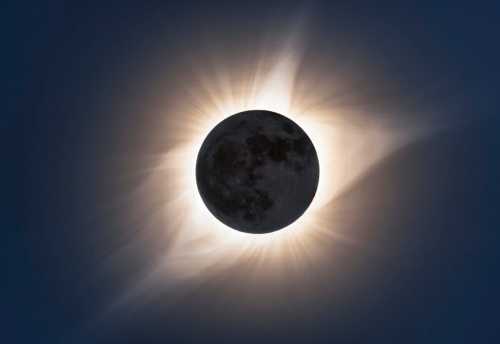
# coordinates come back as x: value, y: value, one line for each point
x: 348, y: 143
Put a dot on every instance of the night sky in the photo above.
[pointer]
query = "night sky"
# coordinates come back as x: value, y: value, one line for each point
x: 79, y: 83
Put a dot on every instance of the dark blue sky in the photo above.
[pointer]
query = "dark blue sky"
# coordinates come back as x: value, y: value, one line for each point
x: 439, y: 217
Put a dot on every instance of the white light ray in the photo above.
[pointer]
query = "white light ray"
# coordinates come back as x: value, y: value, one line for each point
x: 198, y: 244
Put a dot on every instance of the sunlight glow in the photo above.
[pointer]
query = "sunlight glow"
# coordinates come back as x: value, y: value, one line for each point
x: 348, y: 144
x: 345, y: 152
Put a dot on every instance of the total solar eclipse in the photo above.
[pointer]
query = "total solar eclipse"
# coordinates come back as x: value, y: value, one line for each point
x: 257, y: 171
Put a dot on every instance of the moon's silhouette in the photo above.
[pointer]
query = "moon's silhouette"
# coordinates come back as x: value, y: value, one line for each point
x: 257, y: 171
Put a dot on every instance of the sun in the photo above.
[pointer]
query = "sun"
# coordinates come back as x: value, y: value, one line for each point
x: 344, y: 152
x: 347, y: 143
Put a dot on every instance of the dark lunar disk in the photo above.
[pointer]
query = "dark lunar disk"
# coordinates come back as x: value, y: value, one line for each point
x: 257, y: 171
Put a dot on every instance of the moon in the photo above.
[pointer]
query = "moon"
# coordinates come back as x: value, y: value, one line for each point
x: 257, y: 171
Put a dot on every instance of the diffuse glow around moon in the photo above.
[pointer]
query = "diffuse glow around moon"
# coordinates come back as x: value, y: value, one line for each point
x: 348, y: 143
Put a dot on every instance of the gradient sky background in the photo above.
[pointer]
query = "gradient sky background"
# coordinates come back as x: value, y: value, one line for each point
x: 67, y: 66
